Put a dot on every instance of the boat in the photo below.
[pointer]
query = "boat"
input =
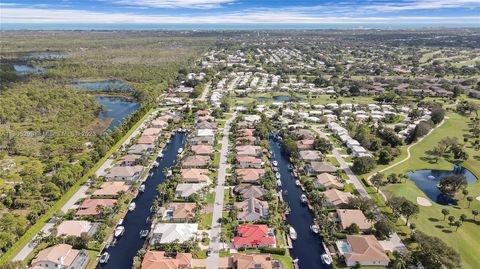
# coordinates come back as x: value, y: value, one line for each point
x: 120, y: 222
x: 303, y: 198
x: 155, y: 164
x: 295, y: 261
x: 275, y: 169
x: 132, y: 206
x: 431, y: 177
x: 314, y: 228
x: 292, y: 233
x: 279, y: 183
x: 277, y: 175
x: 290, y: 167
x: 169, y: 173
x: 119, y: 231
x: 297, y: 182
x: 104, y: 258
x: 143, y: 233
x: 142, y: 188
x: 150, y: 174
x: 326, y: 259
x: 180, y: 150
x: 275, y: 163
x: 271, y: 152
x: 160, y: 155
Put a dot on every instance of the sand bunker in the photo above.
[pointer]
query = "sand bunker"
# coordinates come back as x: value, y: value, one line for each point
x: 423, y: 201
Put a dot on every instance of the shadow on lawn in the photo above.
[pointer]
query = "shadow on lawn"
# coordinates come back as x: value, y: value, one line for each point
x: 433, y: 219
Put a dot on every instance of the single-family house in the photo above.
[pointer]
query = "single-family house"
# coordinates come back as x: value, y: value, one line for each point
x: 250, y: 175
x: 245, y: 140
x: 127, y: 173
x: 203, y: 136
x: 160, y: 260
x: 328, y: 181
x: 202, y: 149
x: 178, y: 212
x: 305, y: 144
x: 129, y: 160
x: 254, y: 236
x: 249, y: 162
x: 111, y: 189
x: 184, y: 190
x: 206, y: 125
x: 249, y: 150
x: 89, y: 207
x: 310, y: 155
x: 141, y: 149
x: 315, y: 168
x: 194, y: 175
x: 347, y: 217
x: 252, y: 209
x: 159, y: 124
x: 61, y: 256
x: 336, y: 198
x: 164, y: 233
x: 250, y: 191
x: 247, y: 261
x: 76, y: 228
x: 364, y: 250
x: 196, y: 161
x: 147, y: 140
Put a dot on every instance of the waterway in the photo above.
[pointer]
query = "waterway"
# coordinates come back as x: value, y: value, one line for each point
x: 116, y: 108
x: 308, y: 247
x: 103, y: 85
x: 25, y: 69
x: 127, y: 246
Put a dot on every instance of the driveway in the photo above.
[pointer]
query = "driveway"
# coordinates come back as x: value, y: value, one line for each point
x: 216, y: 231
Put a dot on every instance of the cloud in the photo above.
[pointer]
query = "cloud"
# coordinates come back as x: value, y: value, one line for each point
x: 201, y: 4
x: 38, y: 15
x: 423, y: 5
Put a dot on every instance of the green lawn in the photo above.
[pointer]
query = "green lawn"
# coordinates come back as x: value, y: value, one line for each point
x: 210, y: 198
x: 205, y: 221
x: 430, y: 220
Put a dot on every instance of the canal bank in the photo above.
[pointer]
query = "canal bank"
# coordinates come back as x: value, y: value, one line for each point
x: 308, y: 248
x: 127, y: 246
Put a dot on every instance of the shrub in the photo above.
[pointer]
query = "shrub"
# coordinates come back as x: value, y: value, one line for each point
x: 277, y: 251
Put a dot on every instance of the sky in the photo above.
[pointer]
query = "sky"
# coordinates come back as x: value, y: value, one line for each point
x: 367, y: 12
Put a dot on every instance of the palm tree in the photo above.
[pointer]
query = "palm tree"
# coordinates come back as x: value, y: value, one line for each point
x: 463, y: 217
x: 400, y: 263
x: 457, y: 224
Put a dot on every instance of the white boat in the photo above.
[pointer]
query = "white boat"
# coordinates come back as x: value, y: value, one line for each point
x: 277, y: 175
x: 169, y: 173
x: 275, y: 163
x: 143, y: 233
x: 431, y: 177
x: 119, y: 231
x: 132, y: 206
x: 279, y: 183
x: 297, y: 182
x: 150, y: 174
x: 275, y: 169
x: 141, y: 188
x: 314, y: 228
x: 120, y: 222
x: 326, y: 259
x: 295, y: 261
x: 292, y: 233
x: 180, y: 150
x: 303, y: 198
x: 155, y: 164
x: 160, y: 155
x: 104, y: 258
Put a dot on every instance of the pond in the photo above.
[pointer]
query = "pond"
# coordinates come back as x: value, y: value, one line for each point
x: 103, y: 85
x: 116, y: 108
x: 280, y: 98
x: 42, y: 55
x: 24, y: 69
x: 427, y: 181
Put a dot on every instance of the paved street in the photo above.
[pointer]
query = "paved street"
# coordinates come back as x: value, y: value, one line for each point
x: 216, y: 231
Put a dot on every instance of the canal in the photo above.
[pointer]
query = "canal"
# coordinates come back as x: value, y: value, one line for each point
x: 308, y: 247
x: 127, y: 246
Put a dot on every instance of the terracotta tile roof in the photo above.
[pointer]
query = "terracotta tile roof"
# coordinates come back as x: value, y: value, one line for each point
x: 310, y: 155
x: 250, y: 174
x: 249, y: 159
x: 111, y: 188
x: 56, y: 254
x: 248, y: 261
x: 337, y: 198
x: 365, y: 248
x: 182, y: 210
x: 246, y: 132
x: 252, y: 235
x: 305, y: 144
x: 73, y: 227
x: 248, y: 191
x: 196, y: 161
x: 202, y: 149
x: 248, y: 150
x: 147, y: 139
x: 152, y: 131
x: 89, y: 206
x: 195, y: 175
x: 349, y: 216
x: 158, y: 260
x: 328, y: 180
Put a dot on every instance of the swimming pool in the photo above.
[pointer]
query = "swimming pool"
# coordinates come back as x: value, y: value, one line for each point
x: 343, y: 246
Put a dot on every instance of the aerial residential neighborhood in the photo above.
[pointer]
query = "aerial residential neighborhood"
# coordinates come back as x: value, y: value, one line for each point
x: 276, y: 146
